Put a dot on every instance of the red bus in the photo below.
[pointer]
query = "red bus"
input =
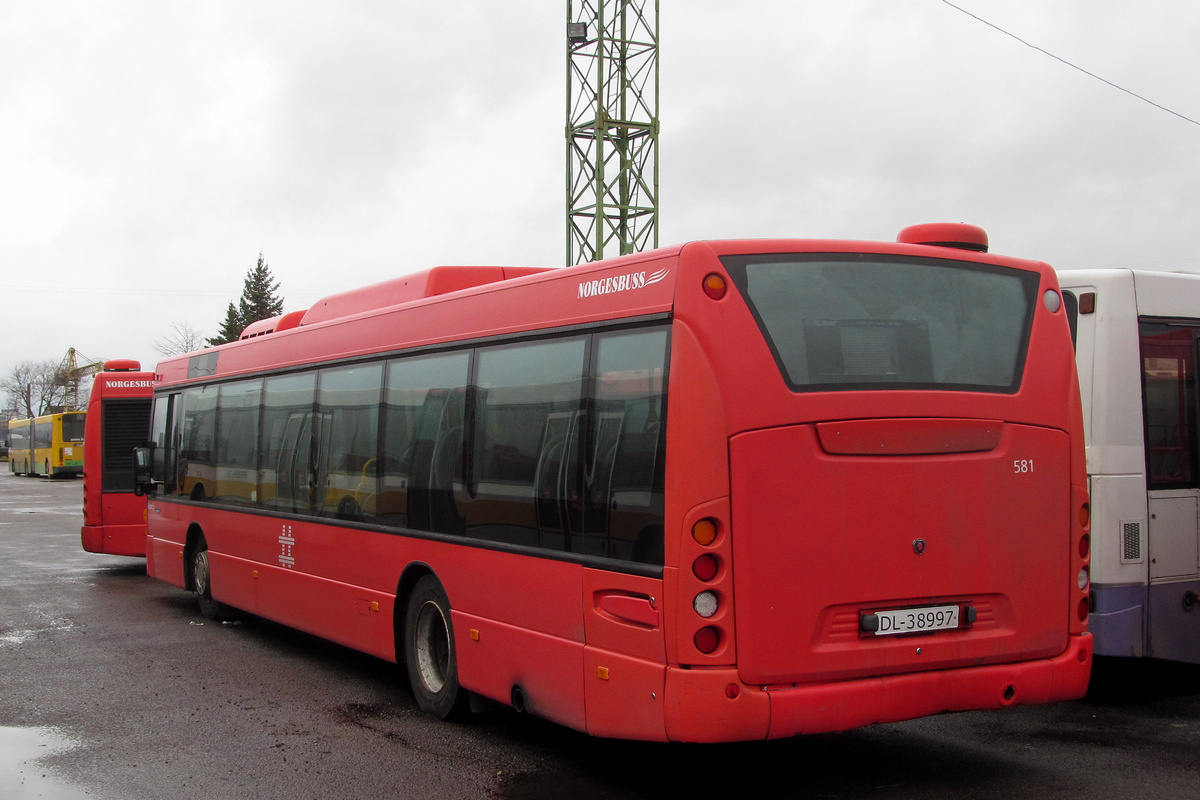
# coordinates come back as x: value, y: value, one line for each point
x: 114, y: 513
x: 722, y: 491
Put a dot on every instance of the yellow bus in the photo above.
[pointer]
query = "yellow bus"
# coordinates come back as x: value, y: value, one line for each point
x: 49, y: 445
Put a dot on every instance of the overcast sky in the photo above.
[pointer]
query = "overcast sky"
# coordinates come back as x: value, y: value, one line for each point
x: 149, y: 150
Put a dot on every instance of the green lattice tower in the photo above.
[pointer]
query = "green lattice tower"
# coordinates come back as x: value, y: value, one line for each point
x: 612, y: 128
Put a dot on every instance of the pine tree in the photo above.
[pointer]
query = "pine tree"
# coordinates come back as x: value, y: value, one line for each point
x: 229, y: 330
x: 258, y: 294
x: 258, y: 301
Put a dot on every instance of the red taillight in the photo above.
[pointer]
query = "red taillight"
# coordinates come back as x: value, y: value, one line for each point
x: 1085, y: 545
x: 707, y: 639
x: 705, y: 567
x: 1083, y: 610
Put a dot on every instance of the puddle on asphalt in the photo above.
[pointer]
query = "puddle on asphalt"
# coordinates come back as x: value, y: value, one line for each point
x: 22, y: 776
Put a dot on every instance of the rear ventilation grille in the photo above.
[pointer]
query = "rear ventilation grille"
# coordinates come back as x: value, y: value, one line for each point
x: 1131, y: 542
x: 126, y: 424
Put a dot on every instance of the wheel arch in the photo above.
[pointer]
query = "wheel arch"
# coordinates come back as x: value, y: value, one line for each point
x: 404, y: 589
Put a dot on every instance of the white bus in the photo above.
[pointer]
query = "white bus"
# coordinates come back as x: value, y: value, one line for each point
x: 1137, y: 334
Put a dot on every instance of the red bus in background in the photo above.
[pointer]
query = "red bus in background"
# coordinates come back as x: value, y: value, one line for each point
x: 722, y: 491
x: 114, y: 516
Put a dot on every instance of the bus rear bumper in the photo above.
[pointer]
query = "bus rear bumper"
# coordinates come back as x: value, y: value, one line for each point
x: 894, y: 698
x: 116, y: 540
x: 713, y: 715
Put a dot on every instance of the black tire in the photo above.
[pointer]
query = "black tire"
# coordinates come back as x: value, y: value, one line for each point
x: 429, y: 652
x: 202, y: 582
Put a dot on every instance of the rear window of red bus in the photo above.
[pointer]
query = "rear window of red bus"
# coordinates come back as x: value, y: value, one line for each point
x: 861, y: 321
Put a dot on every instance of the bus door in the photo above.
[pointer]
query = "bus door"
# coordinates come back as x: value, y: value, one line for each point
x: 1169, y: 386
x: 20, y: 452
x: 295, y: 466
x: 318, y: 473
x: 303, y: 468
x: 43, y: 438
x: 166, y: 438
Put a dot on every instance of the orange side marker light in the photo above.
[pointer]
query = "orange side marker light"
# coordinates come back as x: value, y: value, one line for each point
x: 714, y: 286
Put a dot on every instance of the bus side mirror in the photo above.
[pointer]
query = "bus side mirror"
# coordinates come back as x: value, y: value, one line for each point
x: 143, y: 476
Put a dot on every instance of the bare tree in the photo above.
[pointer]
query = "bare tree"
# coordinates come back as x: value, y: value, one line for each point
x: 183, y: 338
x: 33, y: 388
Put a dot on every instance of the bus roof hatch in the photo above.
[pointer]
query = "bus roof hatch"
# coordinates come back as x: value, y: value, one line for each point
x: 946, y: 234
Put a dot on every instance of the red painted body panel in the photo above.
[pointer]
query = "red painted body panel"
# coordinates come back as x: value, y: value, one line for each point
x: 339, y: 570
x: 117, y: 538
x: 548, y: 669
x: 815, y: 500
x: 804, y: 578
x: 164, y: 549
x: 626, y: 696
x: 623, y: 613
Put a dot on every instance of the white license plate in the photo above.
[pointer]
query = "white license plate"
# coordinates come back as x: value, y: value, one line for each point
x: 915, y: 620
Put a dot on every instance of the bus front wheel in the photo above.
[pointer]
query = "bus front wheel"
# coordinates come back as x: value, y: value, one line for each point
x: 202, y: 581
x: 429, y: 651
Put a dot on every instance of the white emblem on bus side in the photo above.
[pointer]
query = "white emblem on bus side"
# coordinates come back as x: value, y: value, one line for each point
x: 622, y: 283
x: 286, y: 542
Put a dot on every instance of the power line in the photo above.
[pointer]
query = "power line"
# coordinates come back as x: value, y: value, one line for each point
x: 142, y: 292
x: 1069, y: 64
x: 109, y: 290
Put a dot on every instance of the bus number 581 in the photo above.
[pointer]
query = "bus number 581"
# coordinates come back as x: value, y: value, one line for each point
x: 1020, y: 466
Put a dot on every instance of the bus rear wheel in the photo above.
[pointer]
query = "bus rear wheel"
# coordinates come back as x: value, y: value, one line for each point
x: 429, y: 651
x: 202, y: 581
